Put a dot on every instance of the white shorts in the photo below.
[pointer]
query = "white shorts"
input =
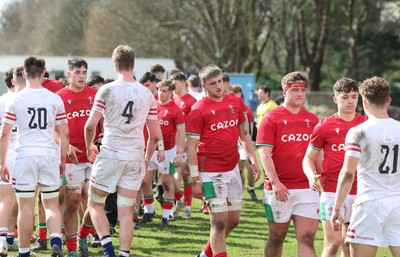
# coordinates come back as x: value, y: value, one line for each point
x: 222, y: 184
x: 326, y: 206
x: 242, y: 152
x: 77, y: 173
x: 33, y: 170
x: 301, y: 202
x: 375, y: 223
x: 165, y: 167
x: 107, y: 174
x: 10, y: 165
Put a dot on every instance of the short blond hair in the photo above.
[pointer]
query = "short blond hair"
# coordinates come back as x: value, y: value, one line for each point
x: 210, y: 71
x: 123, y: 57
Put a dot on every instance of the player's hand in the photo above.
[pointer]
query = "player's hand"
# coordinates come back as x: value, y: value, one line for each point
x: 256, y: 172
x: 62, y: 169
x: 92, y: 152
x: 178, y: 160
x: 160, y: 155
x: 315, y: 183
x: 336, y: 221
x: 5, y: 174
x: 72, y: 150
x: 197, y: 189
x: 281, y: 192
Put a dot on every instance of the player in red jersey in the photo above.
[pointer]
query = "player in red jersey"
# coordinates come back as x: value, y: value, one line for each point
x: 172, y: 125
x: 283, y: 137
x: 51, y: 84
x: 329, y: 135
x: 214, y: 125
x: 78, y: 100
x: 184, y: 101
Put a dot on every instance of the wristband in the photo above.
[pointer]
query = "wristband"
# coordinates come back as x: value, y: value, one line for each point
x: 160, y: 145
x: 179, y: 154
x: 194, y: 170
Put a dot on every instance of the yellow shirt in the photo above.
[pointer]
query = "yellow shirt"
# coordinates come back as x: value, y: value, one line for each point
x: 263, y: 108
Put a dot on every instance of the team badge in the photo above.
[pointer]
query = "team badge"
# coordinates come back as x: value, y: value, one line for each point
x: 278, y: 214
x: 307, y: 123
x: 69, y: 101
x: 90, y: 99
x: 213, y: 111
x: 232, y: 110
x: 337, y: 130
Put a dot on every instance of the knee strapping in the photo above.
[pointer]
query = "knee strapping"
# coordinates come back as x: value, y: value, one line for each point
x: 96, y: 198
x: 74, y: 188
x: 236, y: 204
x: 50, y: 192
x: 124, y: 201
x: 28, y: 193
x: 216, y: 205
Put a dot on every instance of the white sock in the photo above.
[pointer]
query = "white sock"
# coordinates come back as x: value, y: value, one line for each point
x: 149, y: 208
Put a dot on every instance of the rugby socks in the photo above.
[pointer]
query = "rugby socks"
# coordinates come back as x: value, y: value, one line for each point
x: 84, y: 230
x: 178, y: 195
x: 42, y: 233
x: 3, y: 236
x: 10, y: 238
x: 148, y: 204
x: 123, y: 253
x: 71, y: 242
x: 24, y: 252
x: 167, y: 207
x: 221, y: 254
x: 135, y: 216
x: 62, y: 230
x: 55, y: 239
x: 108, y: 248
x: 188, y: 193
x: 207, y: 250
x: 250, y: 185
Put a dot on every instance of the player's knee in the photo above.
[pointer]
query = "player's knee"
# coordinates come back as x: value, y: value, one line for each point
x: 234, y: 204
x: 307, y: 238
x: 97, y: 198
x: 332, y: 246
x: 277, y: 237
x: 73, y: 188
x: 216, y: 205
x: 219, y: 226
x: 26, y: 193
x: 124, y: 201
x: 50, y: 192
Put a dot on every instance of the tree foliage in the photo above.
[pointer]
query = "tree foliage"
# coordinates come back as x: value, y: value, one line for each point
x: 328, y: 39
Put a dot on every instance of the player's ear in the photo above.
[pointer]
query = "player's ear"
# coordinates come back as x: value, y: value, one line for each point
x: 334, y: 99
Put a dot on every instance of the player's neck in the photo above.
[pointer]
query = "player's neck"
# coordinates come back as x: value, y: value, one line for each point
x: 34, y: 83
x: 292, y: 108
x: 215, y: 98
x: 20, y: 87
x: 165, y: 102
x: 182, y: 93
x: 126, y: 76
x: 346, y: 116
x: 378, y: 114
x: 76, y: 89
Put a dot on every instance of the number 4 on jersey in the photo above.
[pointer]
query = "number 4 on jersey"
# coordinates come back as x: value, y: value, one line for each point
x: 128, y: 112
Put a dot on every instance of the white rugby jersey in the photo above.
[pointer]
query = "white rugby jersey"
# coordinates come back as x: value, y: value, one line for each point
x: 376, y: 143
x: 13, y: 139
x: 35, y: 112
x: 126, y: 106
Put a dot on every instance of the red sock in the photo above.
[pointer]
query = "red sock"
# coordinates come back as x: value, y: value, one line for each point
x: 187, y: 191
x: 42, y: 234
x: 135, y: 217
x: 71, y: 243
x: 221, y: 254
x: 148, y: 200
x: 84, y: 231
x: 178, y: 195
x: 167, y: 205
x: 207, y: 249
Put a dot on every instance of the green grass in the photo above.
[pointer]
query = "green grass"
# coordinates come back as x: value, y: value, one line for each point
x: 187, y: 237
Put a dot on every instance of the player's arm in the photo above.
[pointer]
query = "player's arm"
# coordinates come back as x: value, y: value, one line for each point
x: 160, y: 144
x: 345, y: 182
x: 4, y: 145
x: 247, y: 144
x: 153, y: 130
x: 280, y: 190
x: 63, y: 134
x: 192, y: 142
x: 310, y: 168
x: 180, y: 143
x: 90, y: 133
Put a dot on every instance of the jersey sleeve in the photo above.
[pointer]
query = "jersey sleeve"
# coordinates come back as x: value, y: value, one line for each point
x: 153, y: 110
x: 242, y: 111
x: 99, y: 104
x: 179, y: 118
x: 61, y: 116
x: 250, y: 114
x: 317, y: 137
x: 195, y: 123
x: 9, y: 114
x: 266, y: 132
x: 352, y: 146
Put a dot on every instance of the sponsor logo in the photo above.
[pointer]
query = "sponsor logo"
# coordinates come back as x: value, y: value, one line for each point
x: 69, y: 101
x: 76, y: 114
x: 337, y: 148
x: 295, y: 137
x: 337, y: 130
x: 213, y: 111
x: 163, y: 122
x: 224, y: 124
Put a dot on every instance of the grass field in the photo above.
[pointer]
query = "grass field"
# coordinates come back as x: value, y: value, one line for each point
x: 187, y: 237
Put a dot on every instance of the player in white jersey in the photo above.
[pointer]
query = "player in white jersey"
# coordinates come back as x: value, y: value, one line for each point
x: 39, y: 159
x: 120, y: 165
x: 372, y: 148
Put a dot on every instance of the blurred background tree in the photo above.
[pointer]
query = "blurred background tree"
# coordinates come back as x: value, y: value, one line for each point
x: 328, y: 39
